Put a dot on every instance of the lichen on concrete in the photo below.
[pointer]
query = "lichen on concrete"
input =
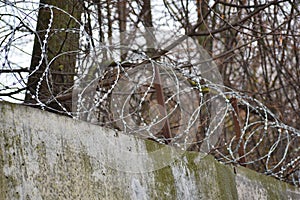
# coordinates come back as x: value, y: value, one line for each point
x: 264, y: 187
x: 3, y: 179
x: 45, y: 156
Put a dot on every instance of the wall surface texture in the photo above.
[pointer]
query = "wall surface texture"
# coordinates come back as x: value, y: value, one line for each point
x: 47, y: 156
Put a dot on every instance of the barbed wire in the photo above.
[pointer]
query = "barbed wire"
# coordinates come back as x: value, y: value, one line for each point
x: 173, y: 96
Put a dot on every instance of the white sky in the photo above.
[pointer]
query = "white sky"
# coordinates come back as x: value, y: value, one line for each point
x: 16, y: 50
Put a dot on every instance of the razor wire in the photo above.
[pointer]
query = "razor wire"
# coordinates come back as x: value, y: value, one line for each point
x: 198, y: 112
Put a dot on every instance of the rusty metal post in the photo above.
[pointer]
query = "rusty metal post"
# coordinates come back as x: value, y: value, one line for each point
x: 161, y: 101
x: 237, y: 129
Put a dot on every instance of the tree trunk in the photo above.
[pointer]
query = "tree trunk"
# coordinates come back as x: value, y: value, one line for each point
x: 202, y: 11
x: 122, y: 17
x: 54, y: 55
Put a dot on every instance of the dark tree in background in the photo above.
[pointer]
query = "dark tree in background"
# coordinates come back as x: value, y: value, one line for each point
x: 55, y: 47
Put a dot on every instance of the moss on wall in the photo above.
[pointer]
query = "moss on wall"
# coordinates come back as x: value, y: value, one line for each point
x: 272, y: 188
x: 45, y: 156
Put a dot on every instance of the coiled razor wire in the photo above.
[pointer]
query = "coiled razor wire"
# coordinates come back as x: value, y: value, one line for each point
x: 198, y: 112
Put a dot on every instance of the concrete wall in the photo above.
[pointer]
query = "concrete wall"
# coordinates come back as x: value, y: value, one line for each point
x: 47, y: 156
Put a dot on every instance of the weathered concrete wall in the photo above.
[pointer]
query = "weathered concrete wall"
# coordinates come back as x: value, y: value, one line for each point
x: 46, y: 156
